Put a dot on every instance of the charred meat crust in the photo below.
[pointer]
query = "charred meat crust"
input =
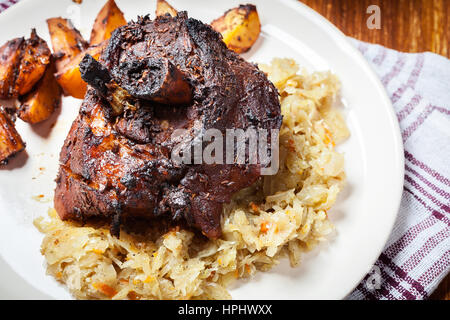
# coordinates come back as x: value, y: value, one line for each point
x: 118, y: 166
x: 154, y: 79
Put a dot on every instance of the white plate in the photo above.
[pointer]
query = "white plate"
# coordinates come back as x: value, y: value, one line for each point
x: 364, y: 214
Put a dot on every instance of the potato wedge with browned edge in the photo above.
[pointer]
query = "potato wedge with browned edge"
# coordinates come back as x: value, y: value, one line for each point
x: 69, y: 77
x: 39, y: 104
x: 10, y: 141
x: 240, y: 27
x: 67, y: 41
x: 163, y: 7
x: 10, y: 54
x: 34, y: 61
x: 108, y: 19
x: 22, y: 64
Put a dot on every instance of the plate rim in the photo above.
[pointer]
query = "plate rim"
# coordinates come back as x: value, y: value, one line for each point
x: 298, y: 5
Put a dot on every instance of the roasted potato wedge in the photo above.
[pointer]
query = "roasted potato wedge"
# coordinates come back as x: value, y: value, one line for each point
x: 39, y: 104
x: 108, y: 19
x: 10, y: 141
x: 10, y: 54
x: 67, y: 41
x: 163, y: 7
x: 240, y: 27
x: 22, y: 64
x: 34, y: 61
x: 69, y: 77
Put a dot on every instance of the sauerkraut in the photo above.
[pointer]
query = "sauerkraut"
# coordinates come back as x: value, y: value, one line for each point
x: 280, y: 216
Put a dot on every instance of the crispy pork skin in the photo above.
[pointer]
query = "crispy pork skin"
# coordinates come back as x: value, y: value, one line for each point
x: 172, y: 73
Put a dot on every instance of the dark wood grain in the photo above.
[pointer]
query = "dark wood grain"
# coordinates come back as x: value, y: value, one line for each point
x: 406, y: 25
x: 443, y: 291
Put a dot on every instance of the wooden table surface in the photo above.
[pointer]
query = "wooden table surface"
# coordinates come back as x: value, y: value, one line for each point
x: 406, y: 25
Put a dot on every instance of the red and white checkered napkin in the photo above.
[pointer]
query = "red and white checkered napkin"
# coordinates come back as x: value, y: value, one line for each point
x: 417, y: 256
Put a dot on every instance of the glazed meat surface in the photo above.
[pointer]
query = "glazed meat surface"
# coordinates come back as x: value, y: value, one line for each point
x: 173, y: 73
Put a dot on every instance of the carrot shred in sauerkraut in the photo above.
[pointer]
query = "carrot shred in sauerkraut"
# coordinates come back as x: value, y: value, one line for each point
x: 105, y: 289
